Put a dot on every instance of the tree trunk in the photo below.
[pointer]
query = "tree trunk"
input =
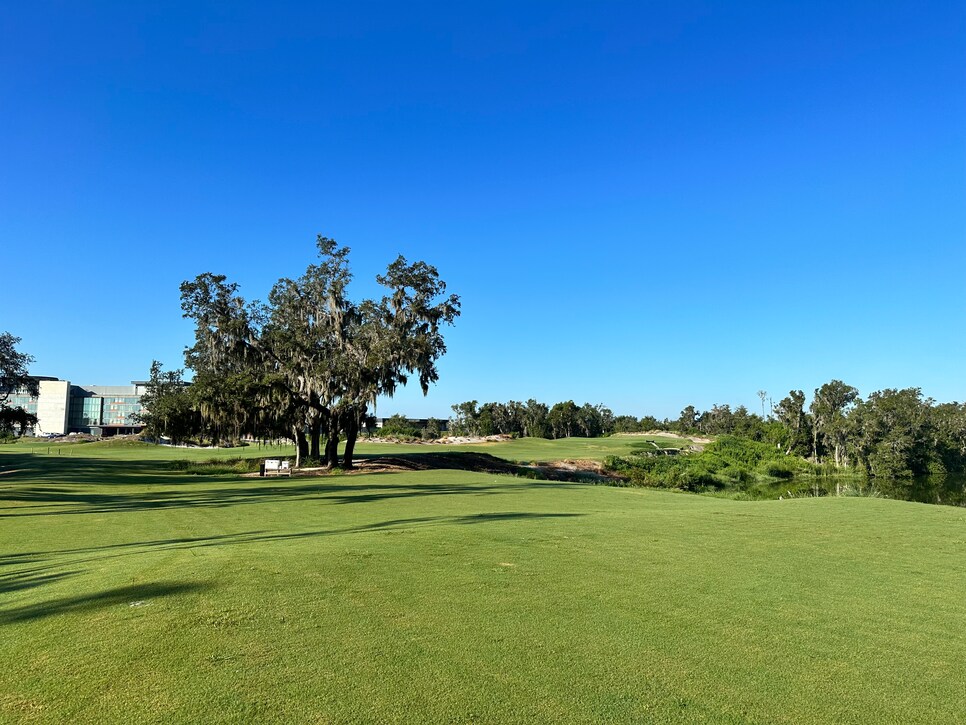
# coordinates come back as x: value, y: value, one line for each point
x: 315, y: 432
x: 301, y: 446
x: 351, y: 433
x: 841, y: 460
x: 332, y: 444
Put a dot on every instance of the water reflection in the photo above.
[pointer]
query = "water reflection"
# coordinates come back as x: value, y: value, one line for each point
x: 946, y: 490
x: 949, y: 490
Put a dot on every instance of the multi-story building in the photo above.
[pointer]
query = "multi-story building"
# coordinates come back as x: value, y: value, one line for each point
x: 101, y: 410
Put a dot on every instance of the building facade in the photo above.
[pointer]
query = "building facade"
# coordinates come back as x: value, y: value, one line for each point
x: 101, y: 410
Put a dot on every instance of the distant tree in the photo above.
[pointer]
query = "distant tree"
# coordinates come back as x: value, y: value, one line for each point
x: 432, y: 430
x: 606, y: 419
x: 627, y: 424
x: 466, y: 419
x: 594, y: 420
x: 399, y: 426
x: 562, y: 419
x: 508, y: 417
x: 747, y: 424
x: 949, y: 435
x: 485, y: 424
x: 649, y: 422
x: 717, y: 421
x: 15, y: 378
x: 14, y: 375
x: 688, y: 420
x: 892, y: 434
x: 830, y: 408
x: 535, y: 420
x: 790, y: 412
x: 166, y: 406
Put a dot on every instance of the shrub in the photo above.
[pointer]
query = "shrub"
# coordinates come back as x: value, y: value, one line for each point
x: 736, y: 474
x: 728, y: 462
x: 398, y: 426
x: 778, y: 469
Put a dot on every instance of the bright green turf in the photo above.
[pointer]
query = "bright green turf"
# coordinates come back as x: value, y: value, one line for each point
x: 532, y: 449
x: 129, y: 593
x: 523, y: 450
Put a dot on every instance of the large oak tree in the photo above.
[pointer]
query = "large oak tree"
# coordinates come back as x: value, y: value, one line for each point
x: 316, y: 357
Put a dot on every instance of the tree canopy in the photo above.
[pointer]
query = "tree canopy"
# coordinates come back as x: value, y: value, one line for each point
x: 312, y: 359
x: 14, y: 378
x: 14, y: 375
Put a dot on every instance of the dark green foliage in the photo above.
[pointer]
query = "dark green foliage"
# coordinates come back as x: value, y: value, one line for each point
x: 311, y: 362
x: 466, y: 419
x: 830, y: 410
x: 796, y: 427
x: 720, y: 420
x: 14, y: 375
x: 779, y: 469
x: 14, y: 378
x: 893, y: 434
x: 728, y: 462
x: 15, y: 422
x: 398, y: 426
x: 433, y: 429
x: 167, y: 408
x: 534, y: 420
x: 627, y: 424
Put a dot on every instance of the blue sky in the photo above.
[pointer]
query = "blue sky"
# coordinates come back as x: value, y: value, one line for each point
x: 647, y: 205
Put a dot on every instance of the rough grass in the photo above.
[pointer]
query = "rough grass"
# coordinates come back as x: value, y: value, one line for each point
x: 131, y: 592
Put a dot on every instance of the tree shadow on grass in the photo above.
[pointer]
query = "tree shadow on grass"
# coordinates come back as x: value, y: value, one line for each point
x: 30, y: 578
x: 48, y: 563
x: 90, y: 602
x: 110, y: 551
x: 90, y: 486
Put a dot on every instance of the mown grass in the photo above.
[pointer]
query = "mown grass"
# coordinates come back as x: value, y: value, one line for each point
x: 520, y: 450
x: 130, y: 592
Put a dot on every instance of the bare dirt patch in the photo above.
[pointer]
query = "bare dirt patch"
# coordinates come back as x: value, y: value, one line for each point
x: 446, y: 441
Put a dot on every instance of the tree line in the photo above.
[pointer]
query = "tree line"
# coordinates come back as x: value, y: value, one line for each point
x: 534, y: 419
x: 891, y: 433
x: 308, y: 364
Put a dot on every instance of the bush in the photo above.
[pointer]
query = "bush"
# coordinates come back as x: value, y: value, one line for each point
x: 399, y: 427
x: 736, y: 474
x: 778, y: 469
x: 217, y: 466
x: 728, y: 462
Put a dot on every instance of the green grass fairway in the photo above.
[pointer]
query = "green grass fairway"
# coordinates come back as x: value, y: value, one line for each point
x: 523, y: 450
x: 131, y: 593
x: 526, y: 450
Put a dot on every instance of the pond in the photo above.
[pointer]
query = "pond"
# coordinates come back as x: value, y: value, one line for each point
x: 948, y: 490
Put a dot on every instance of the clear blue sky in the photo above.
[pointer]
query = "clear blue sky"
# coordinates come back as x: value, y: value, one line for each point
x: 647, y: 205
